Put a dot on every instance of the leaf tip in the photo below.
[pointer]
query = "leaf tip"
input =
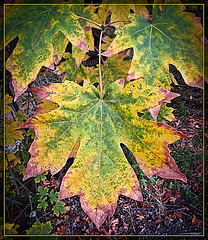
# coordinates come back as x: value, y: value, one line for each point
x: 109, y: 52
x: 83, y: 45
x: 99, y: 214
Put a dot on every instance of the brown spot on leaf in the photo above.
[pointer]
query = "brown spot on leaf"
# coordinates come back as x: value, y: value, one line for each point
x: 87, y: 28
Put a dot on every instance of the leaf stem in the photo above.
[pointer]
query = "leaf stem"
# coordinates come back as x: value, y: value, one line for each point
x: 97, y: 24
x: 116, y: 22
x: 100, y: 74
x: 106, y: 15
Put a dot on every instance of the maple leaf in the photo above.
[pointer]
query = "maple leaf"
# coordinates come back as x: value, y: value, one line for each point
x: 40, y: 229
x: 87, y: 12
x: 42, y: 204
x: 45, y: 106
x: 53, y: 196
x: 79, y: 55
x: 164, y: 113
x: 115, y: 68
x: 170, y: 38
x: 59, y: 208
x: 59, y: 45
x: 42, y: 192
x: 12, y: 158
x: 106, y: 41
x: 120, y: 12
x: 72, y: 72
x: 35, y: 46
x: 100, y: 171
x: 155, y: 110
x: 8, y: 99
x: 12, y: 129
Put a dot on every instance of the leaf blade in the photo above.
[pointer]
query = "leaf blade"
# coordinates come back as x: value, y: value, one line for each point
x: 169, y: 39
x: 100, y: 171
x: 35, y: 45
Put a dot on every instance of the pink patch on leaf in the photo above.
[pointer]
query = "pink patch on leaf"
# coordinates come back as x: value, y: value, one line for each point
x: 167, y: 96
x: 121, y: 81
x: 109, y: 52
x: 169, y: 169
x: 41, y: 91
x: 82, y: 45
x: 198, y: 84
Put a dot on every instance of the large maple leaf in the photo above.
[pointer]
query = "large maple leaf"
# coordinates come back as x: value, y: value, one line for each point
x: 36, y: 26
x: 172, y: 37
x: 95, y: 127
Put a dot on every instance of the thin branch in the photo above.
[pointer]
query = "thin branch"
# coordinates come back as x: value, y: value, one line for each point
x: 132, y: 221
x: 106, y: 15
x: 100, y: 74
x: 117, y: 22
x: 10, y: 169
x: 21, y: 212
x: 28, y: 101
x: 23, y: 185
x: 97, y: 24
x: 104, y: 62
x: 29, y: 197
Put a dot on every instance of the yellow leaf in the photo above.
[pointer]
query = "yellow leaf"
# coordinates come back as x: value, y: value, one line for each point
x: 92, y: 129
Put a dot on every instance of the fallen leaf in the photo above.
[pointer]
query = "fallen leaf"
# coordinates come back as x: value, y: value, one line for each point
x: 195, y: 221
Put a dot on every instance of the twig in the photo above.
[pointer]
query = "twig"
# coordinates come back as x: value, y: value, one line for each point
x: 10, y: 169
x: 36, y: 188
x: 12, y: 211
x: 21, y: 212
x: 29, y: 197
x: 23, y: 185
x: 13, y: 116
x: 174, y: 210
x: 8, y: 213
x: 97, y: 24
x: 106, y: 15
x: 142, y: 230
x: 117, y: 22
x: 196, y: 208
x: 105, y: 63
x: 33, y: 100
x: 132, y: 221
